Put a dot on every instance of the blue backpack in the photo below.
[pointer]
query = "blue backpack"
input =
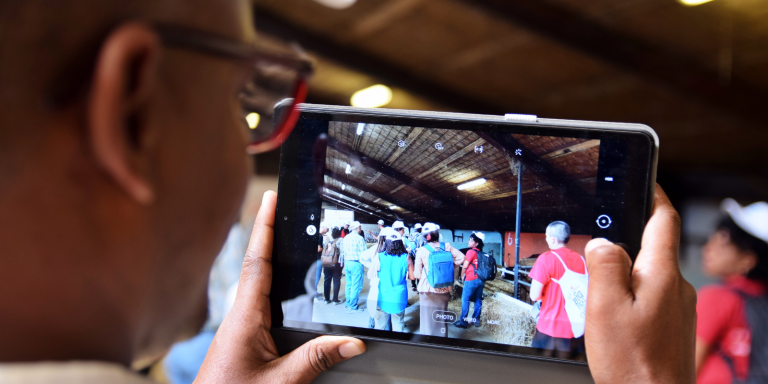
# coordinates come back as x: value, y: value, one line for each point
x: 440, y: 267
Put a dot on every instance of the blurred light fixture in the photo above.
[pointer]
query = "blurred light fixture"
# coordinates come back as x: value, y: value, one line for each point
x: 337, y: 4
x: 348, y: 170
x: 692, y: 3
x: 372, y: 97
x: 253, y: 119
x: 393, y: 207
x: 471, y: 184
x: 360, y: 128
x: 343, y: 187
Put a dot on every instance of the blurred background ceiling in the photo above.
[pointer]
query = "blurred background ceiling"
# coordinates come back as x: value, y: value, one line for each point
x: 697, y: 74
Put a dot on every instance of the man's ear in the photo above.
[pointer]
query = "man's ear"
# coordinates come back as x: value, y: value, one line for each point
x: 124, y: 79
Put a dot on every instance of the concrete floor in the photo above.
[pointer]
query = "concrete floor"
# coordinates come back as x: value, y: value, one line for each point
x: 337, y: 314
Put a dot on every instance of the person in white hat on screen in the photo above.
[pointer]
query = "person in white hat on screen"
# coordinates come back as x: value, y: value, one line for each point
x: 399, y: 227
x: 473, y: 285
x: 433, y: 299
x: 737, y: 255
x: 373, y: 237
x: 352, y: 248
x: 392, y: 270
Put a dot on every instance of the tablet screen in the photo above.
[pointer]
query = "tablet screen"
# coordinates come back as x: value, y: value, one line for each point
x: 453, y: 234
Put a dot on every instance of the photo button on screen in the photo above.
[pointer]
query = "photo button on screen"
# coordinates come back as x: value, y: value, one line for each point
x: 444, y: 316
x: 311, y: 230
x: 604, y: 221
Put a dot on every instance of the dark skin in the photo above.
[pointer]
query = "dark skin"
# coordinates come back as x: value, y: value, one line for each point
x: 114, y: 208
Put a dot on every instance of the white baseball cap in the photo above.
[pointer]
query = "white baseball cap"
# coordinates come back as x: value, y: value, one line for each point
x: 323, y: 224
x: 390, y: 234
x: 417, y: 226
x: 753, y: 218
x: 429, y: 227
x: 354, y: 224
x: 380, y: 222
x: 398, y: 224
x: 479, y: 235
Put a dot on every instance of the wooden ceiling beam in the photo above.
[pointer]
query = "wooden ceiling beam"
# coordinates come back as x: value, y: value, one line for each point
x: 391, y: 172
x: 354, y: 201
x: 572, y: 149
x: 388, y: 72
x: 423, y: 211
x: 383, y: 210
x: 509, y: 145
x: 665, y: 67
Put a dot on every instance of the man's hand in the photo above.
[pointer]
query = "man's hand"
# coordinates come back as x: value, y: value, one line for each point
x: 641, y: 322
x: 243, y: 350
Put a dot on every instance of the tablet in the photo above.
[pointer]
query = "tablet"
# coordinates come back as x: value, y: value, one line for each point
x: 451, y: 230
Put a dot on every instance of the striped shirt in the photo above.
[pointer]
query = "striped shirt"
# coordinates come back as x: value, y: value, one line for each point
x: 352, y: 246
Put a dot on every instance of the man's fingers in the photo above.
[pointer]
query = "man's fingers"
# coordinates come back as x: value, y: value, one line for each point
x: 661, y: 237
x: 316, y: 356
x: 256, y: 278
x: 609, y: 269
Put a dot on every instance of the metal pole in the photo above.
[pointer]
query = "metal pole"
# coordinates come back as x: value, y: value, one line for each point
x: 517, y: 228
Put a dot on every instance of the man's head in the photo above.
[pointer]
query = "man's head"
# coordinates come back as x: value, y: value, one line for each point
x: 323, y: 228
x: 417, y: 228
x: 381, y: 224
x: 558, y: 234
x: 116, y: 202
x: 356, y: 227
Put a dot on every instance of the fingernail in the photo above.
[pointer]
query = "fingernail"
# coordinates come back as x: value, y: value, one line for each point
x: 348, y: 350
x: 594, y: 243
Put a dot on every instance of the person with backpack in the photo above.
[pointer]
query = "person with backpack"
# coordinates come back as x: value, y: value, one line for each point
x: 435, y: 266
x: 559, y: 279
x: 474, y: 282
x: 731, y: 333
x: 391, y: 268
x: 332, y: 267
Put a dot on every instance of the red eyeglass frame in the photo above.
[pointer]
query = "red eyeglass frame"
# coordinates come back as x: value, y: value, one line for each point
x: 75, y: 79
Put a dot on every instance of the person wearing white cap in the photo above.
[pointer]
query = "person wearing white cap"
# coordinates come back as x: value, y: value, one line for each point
x: 367, y: 258
x: 737, y: 255
x: 433, y: 299
x: 352, y: 247
x: 373, y: 237
x: 473, y: 285
x: 392, y: 268
x: 399, y: 226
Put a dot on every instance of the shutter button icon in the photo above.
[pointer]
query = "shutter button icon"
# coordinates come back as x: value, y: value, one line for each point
x: 604, y: 221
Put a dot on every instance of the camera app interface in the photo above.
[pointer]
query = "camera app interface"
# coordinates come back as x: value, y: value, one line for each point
x: 452, y: 233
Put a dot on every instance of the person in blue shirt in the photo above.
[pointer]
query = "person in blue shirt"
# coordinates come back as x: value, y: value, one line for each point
x: 392, y: 267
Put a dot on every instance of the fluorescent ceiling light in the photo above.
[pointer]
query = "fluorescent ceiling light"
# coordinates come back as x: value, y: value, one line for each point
x: 253, y: 119
x: 343, y: 187
x: 393, y: 207
x: 337, y: 4
x: 692, y: 3
x: 360, y: 128
x: 372, y: 97
x: 470, y: 184
x: 348, y: 170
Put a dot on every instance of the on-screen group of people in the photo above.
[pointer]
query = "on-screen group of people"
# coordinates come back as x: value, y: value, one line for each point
x: 394, y: 259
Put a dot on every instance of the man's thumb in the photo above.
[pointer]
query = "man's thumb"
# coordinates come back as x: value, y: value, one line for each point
x: 609, y: 269
x: 317, y: 356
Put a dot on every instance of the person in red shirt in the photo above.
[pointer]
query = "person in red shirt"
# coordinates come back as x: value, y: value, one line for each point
x: 737, y: 254
x: 473, y: 286
x: 553, y: 328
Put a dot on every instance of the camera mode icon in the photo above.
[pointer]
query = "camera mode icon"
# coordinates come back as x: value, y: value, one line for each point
x: 604, y: 221
x: 311, y: 230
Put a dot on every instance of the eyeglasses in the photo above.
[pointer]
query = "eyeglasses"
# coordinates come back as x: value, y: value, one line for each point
x: 269, y: 99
